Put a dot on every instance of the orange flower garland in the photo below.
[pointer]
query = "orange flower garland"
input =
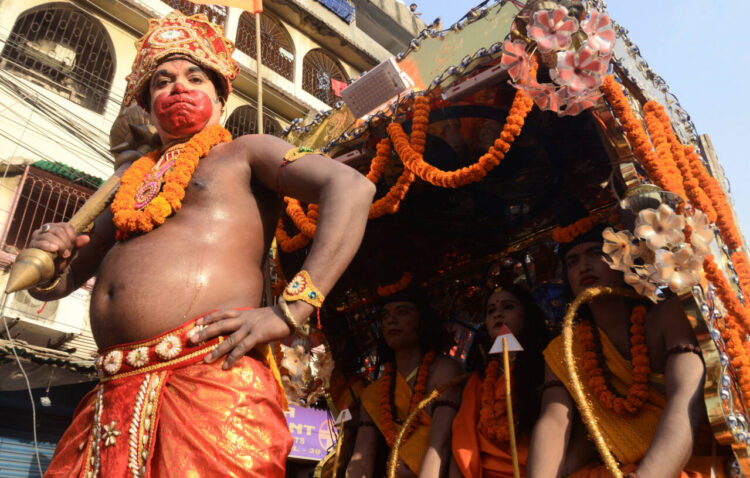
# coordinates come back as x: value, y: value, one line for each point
x: 398, y: 286
x: 414, y: 160
x: 290, y: 243
x: 390, y: 429
x: 493, y: 408
x: 592, y: 365
x: 695, y: 193
x: 736, y: 327
x: 390, y: 203
x: 661, y: 174
x: 564, y: 235
x: 127, y: 218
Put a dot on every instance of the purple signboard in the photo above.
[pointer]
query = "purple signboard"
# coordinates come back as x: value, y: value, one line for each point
x: 312, y: 435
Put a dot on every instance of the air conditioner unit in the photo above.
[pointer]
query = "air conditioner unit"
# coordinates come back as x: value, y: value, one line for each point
x: 23, y: 306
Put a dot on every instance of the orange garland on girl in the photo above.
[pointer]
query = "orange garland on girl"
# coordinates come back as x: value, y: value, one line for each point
x: 398, y: 286
x: 493, y: 406
x: 127, y: 217
x: 389, y: 428
x: 592, y: 365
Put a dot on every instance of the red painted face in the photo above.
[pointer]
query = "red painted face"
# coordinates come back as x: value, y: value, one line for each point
x: 183, y: 112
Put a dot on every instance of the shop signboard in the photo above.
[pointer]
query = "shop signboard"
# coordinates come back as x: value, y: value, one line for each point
x: 313, y: 437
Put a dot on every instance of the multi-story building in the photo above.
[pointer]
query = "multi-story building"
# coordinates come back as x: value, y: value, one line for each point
x: 62, y: 77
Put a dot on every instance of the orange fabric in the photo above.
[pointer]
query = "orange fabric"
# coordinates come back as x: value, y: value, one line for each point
x: 477, y: 456
x: 628, y: 437
x: 187, y: 419
x: 412, y: 451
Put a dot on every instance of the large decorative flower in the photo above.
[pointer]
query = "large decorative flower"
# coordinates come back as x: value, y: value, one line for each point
x: 679, y: 269
x: 701, y: 233
x: 598, y: 28
x: 642, y: 285
x: 137, y: 357
x: 619, y: 249
x: 661, y: 227
x: 544, y: 94
x: 113, y: 362
x: 516, y: 61
x: 169, y: 348
x: 578, y: 70
x: 576, y: 103
x: 552, y: 29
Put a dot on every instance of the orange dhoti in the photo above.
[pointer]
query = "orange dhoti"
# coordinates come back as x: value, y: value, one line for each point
x: 628, y: 437
x: 475, y: 454
x: 159, y: 410
x: 412, y: 449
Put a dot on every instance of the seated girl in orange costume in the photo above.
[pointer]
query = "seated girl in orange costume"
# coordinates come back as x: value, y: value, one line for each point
x: 480, y: 443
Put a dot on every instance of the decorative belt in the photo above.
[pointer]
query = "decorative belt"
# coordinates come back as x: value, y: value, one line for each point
x: 169, y: 349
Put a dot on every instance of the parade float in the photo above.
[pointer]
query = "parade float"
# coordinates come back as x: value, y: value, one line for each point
x: 480, y: 138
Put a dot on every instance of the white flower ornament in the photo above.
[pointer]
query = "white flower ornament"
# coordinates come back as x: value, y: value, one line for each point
x: 112, y: 362
x: 137, y: 358
x: 619, y: 249
x: 660, y: 228
x: 169, y: 348
x: 678, y: 270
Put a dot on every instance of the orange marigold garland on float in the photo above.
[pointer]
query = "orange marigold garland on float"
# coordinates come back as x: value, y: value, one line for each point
x: 127, y: 217
x: 564, y: 235
x: 398, y: 286
x: 593, y: 366
x: 735, y: 313
x: 662, y: 175
x: 414, y: 160
x: 290, y: 243
x: 390, y: 203
x: 390, y: 429
x: 493, y: 407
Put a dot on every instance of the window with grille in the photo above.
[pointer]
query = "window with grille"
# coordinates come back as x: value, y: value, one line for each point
x: 244, y: 120
x: 319, y: 71
x: 65, y: 50
x: 41, y: 198
x: 215, y: 13
x: 276, y: 49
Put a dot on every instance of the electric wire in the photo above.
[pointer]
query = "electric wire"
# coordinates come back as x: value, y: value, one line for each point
x: 28, y: 386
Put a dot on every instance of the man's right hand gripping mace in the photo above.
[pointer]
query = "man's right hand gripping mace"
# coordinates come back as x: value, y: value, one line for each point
x: 35, y: 266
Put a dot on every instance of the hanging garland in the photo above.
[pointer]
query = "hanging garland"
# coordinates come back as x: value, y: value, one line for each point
x: 390, y: 203
x: 661, y: 173
x: 414, y: 160
x: 398, y: 286
x: 593, y: 365
x: 493, y: 407
x: 564, y: 235
x: 389, y: 428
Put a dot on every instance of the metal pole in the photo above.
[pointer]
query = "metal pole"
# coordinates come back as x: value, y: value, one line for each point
x: 260, y: 75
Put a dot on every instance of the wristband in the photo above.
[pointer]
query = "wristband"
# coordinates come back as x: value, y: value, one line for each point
x: 302, y: 288
x: 301, y: 330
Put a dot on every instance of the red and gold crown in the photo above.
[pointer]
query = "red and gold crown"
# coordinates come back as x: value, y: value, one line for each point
x: 194, y: 37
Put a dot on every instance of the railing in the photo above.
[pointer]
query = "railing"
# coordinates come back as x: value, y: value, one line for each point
x: 275, y: 49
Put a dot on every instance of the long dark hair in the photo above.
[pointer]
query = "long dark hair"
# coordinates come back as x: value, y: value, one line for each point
x: 433, y: 335
x: 528, y: 373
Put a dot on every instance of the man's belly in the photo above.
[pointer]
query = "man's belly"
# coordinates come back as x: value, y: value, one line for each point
x: 150, y: 285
